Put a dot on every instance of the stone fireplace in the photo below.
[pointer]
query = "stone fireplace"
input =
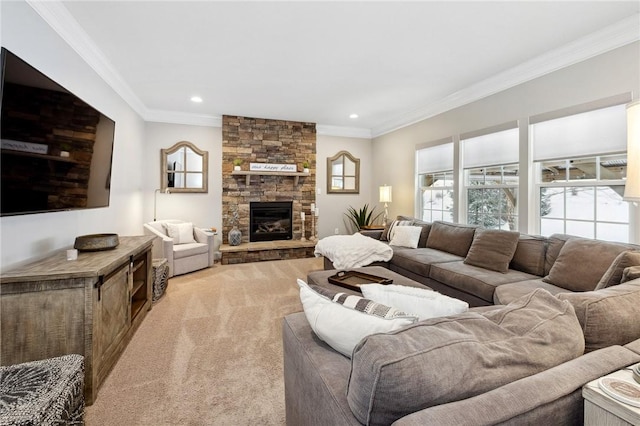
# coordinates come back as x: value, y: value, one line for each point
x: 259, y: 140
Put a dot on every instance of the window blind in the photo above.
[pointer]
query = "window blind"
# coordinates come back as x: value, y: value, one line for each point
x: 601, y: 131
x: 435, y: 159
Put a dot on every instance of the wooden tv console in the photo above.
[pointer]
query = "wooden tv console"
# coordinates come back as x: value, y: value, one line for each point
x: 90, y: 306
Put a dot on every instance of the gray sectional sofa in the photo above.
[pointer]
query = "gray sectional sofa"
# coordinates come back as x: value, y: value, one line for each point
x: 486, y: 366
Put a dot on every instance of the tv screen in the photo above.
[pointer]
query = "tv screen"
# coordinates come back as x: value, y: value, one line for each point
x: 56, y: 150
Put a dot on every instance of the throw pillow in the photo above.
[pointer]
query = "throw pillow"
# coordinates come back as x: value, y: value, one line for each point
x: 582, y: 262
x: 406, y: 236
x: 388, y: 229
x: 182, y: 233
x: 451, y: 237
x: 492, y: 249
x: 613, y: 276
x: 447, y: 359
x: 342, y: 320
x: 609, y: 316
x: 419, y: 301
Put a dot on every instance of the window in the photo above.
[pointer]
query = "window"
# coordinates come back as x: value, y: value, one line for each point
x: 435, y: 182
x: 580, y: 168
x: 437, y: 196
x: 492, y: 194
x: 491, y: 179
x: 583, y: 196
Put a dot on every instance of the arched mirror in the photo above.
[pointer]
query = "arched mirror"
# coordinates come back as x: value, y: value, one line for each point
x: 343, y: 174
x: 184, y: 168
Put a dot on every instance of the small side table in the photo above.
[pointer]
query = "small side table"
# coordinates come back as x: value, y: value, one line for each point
x: 160, y: 277
x: 601, y: 409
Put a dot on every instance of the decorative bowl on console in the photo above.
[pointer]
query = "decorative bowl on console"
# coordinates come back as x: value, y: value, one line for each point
x: 96, y: 242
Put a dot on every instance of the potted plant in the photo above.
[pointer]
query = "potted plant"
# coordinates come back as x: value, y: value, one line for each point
x: 361, y: 218
x: 305, y: 167
x: 236, y: 164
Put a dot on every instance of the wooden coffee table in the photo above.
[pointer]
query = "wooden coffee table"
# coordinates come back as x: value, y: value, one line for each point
x: 321, y: 278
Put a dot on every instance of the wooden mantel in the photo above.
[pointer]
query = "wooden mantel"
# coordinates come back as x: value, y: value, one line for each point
x: 248, y: 174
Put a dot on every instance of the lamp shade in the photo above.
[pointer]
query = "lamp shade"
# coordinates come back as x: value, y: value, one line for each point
x: 632, y: 187
x: 385, y: 194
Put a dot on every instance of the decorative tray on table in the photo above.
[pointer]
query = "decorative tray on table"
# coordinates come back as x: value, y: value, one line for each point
x: 354, y: 279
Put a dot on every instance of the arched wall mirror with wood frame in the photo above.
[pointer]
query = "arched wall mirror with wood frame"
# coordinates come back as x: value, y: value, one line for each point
x: 343, y: 174
x: 184, y: 168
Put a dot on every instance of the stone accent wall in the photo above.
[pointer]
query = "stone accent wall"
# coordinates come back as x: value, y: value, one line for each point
x: 259, y: 140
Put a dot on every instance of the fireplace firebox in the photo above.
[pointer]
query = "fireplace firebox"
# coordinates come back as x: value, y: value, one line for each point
x: 269, y: 221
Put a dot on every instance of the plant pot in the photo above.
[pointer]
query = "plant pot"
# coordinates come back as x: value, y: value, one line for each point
x: 237, y: 168
x: 305, y: 170
x: 235, y: 236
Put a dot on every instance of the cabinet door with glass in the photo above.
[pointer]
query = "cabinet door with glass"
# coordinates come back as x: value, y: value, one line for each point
x: 184, y: 168
x: 343, y: 174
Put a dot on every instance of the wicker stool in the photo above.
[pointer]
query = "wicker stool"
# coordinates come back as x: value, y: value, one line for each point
x: 160, y: 278
x: 47, y: 392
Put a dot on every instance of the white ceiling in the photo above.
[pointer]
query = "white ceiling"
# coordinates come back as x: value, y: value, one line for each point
x: 391, y: 62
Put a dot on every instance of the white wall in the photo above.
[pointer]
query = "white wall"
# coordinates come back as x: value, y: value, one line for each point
x: 204, y: 210
x: 606, y: 75
x: 33, y: 236
x: 333, y: 206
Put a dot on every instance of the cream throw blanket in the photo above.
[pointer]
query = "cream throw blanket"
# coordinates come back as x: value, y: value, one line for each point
x: 352, y: 251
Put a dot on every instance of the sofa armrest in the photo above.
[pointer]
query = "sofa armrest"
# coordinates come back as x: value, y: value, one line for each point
x: 206, y: 238
x: 162, y: 246
x: 375, y: 234
x: 554, y: 395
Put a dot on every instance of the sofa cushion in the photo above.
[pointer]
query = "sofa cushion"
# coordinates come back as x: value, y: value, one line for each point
x: 328, y: 311
x: 530, y: 255
x: 492, y: 249
x: 613, y: 275
x: 451, y: 237
x: 474, y: 280
x: 609, y: 316
x: 582, y: 262
x: 187, y: 250
x: 423, y: 303
x: 453, y: 358
x: 555, y: 243
x: 507, y: 293
x: 420, y: 261
x: 182, y: 233
x: 426, y: 228
x: 405, y: 236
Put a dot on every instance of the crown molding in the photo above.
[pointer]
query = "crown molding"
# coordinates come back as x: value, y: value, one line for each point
x: 177, y: 117
x: 617, y: 35
x: 64, y: 24
x: 348, y: 132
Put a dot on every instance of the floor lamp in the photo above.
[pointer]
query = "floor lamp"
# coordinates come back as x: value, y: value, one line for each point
x: 155, y: 200
x: 385, y: 197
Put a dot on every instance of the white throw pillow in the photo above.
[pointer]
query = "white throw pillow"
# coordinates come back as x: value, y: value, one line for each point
x: 406, y: 236
x: 394, y: 225
x: 342, y: 320
x: 417, y: 301
x: 182, y: 233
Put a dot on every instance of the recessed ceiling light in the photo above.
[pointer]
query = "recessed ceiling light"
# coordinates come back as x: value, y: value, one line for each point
x: 353, y: 116
x: 197, y: 99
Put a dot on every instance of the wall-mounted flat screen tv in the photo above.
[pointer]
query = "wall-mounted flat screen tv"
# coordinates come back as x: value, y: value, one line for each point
x: 56, y: 149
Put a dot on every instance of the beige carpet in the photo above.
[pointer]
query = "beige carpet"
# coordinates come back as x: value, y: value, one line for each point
x: 209, y: 352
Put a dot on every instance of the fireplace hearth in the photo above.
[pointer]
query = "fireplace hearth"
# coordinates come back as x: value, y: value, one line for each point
x: 270, y: 221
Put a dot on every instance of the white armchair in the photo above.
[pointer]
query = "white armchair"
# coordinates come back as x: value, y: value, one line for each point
x: 185, y: 247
